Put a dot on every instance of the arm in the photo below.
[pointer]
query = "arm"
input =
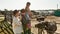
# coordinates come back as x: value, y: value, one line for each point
x: 15, y: 24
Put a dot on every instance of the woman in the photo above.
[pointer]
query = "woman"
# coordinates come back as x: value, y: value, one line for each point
x: 17, y: 25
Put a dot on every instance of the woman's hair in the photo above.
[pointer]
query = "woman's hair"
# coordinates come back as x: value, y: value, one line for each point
x: 22, y: 10
x: 15, y: 12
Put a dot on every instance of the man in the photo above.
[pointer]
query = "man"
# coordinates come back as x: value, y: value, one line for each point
x: 28, y: 15
x: 27, y: 8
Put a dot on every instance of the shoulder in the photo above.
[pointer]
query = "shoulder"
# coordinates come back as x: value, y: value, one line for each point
x: 13, y: 16
x: 14, y: 19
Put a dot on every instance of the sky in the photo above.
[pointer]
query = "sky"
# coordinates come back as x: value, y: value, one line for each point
x: 35, y: 4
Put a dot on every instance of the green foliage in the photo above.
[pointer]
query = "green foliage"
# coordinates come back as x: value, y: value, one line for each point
x: 57, y: 13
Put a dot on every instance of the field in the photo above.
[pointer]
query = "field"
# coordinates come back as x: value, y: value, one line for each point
x: 8, y: 28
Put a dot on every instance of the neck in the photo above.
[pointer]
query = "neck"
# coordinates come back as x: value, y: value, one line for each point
x: 27, y: 7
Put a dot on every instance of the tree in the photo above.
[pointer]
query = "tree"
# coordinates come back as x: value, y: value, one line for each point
x: 57, y: 13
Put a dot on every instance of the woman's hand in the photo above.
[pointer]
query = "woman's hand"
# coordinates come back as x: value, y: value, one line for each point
x: 16, y: 25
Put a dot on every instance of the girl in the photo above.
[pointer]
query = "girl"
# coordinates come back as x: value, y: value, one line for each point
x: 17, y: 25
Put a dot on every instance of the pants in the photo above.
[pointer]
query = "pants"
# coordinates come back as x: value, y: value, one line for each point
x: 26, y: 30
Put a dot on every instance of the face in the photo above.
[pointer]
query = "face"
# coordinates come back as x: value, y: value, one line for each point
x: 17, y: 14
x: 28, y: 5
x: 23, y: 13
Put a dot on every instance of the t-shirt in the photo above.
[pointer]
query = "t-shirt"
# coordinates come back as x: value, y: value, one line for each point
x: 25, y: 18
x: 16, y: 21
